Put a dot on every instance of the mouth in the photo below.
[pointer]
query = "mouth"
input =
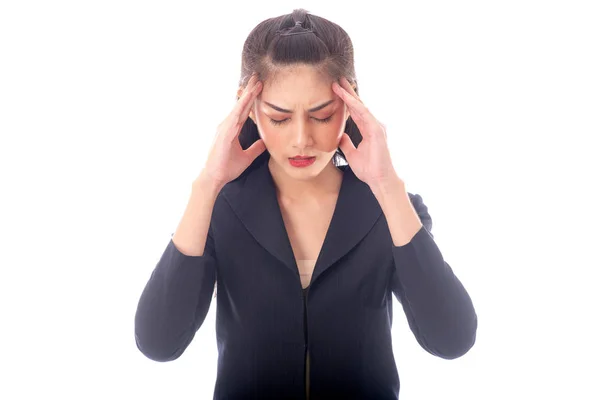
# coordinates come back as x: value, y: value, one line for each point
x: 302, y: 162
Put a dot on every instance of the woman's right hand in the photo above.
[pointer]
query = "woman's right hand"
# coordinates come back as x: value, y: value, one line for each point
x: 227, y: 160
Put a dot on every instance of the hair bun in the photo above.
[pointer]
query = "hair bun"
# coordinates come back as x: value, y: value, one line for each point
x: 297, y: 29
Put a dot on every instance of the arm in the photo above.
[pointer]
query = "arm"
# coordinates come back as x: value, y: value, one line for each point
x: 177, y: 297
x: 439, y: 310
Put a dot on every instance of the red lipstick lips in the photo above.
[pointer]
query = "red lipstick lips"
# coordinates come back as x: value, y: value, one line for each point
x: 302, y: 161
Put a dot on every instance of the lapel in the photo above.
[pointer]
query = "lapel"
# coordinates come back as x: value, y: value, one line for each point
x: 254, y: 201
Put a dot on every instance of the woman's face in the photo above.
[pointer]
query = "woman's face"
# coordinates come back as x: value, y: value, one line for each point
x: 288, y: 127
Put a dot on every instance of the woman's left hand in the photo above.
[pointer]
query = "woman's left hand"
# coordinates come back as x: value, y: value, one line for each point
x: 371, y: 161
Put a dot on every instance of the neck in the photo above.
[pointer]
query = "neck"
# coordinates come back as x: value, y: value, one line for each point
x: 306, y: 191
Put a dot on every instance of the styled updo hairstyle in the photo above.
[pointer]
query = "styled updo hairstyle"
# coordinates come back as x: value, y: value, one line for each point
x: 298, y: 38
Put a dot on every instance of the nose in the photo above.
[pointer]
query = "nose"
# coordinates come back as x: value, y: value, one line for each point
x: 302, y: 136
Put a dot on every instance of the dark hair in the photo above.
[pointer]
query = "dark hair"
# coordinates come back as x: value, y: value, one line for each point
x: 272, y: 45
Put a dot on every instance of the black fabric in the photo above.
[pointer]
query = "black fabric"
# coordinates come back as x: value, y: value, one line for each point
x: 346, y: 316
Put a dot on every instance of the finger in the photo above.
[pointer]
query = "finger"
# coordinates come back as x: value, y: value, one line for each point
x: 255, y: 149
x: 241, y: 110
x: 238, y: 115
x: 249, y: 89
x: 360, y: 113
x: 251, y: 81
x: 346, y: 145
x: 249, y: 86
x: 384, y: 129
x: 249, y: 104
x: 346, y: 85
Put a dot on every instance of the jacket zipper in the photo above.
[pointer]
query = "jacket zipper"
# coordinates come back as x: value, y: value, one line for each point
x: 305, y: 296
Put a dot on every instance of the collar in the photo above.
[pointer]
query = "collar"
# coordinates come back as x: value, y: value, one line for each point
x: 253, y: 198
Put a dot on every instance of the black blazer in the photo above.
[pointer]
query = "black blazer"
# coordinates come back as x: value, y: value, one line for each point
x: 264, y: 326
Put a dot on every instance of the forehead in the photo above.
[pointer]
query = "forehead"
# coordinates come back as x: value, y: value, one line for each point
x: 297, y: 82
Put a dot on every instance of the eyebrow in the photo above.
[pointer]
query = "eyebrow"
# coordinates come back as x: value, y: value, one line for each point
x: 317, y: 108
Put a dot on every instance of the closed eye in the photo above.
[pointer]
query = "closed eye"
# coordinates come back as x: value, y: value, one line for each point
x: 322, y: 121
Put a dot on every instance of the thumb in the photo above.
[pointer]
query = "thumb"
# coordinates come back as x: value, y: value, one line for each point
x: 256, y: 149
x: 346, y: 145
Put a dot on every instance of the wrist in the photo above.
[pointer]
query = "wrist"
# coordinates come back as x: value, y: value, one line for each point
x: 207, y: 183
x: 385, y: 187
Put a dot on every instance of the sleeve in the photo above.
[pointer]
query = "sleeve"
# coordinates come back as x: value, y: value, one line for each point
x: 175, y: 301
x: 439, y: 310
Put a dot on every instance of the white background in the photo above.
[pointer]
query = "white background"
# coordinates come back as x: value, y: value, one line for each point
x: 106, y: 112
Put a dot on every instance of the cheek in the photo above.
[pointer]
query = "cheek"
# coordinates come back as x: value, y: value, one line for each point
x: 267, y: 133
x: 336, y: 130
x: 330, y: 135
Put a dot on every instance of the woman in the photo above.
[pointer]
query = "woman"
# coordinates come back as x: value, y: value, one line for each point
x: 268, y: 227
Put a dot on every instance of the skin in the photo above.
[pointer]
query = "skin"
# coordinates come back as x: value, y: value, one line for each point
x: 299, y: 88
